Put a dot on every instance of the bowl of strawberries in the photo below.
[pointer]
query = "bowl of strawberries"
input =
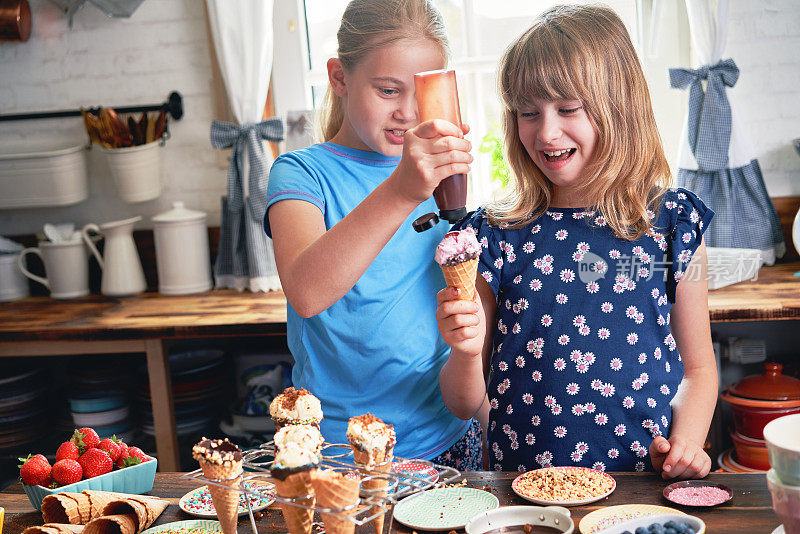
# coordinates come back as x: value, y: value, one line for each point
x: 86, y: 462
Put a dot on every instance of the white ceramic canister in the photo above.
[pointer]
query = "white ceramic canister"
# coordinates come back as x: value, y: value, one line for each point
x: 182, y: 253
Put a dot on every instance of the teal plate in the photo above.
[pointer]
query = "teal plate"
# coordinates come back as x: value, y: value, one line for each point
x: 179, y: 527
x: 443, y: 508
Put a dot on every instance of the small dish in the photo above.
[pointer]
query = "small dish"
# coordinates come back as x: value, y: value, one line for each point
x: 443, y: 508
x: 631, y: 525
x: 515, y: 519
x: 198, y: 502
x: 193, y: 526
x: 608, y: 516
x: 696, y: 484
x: 517, y: 488
x: 416, y: 472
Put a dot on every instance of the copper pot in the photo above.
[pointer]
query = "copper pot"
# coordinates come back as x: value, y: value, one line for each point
x: 15, y: 20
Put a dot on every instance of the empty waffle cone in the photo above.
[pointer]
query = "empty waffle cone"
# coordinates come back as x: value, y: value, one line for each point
x: 98, y: 501
x: 462, y: 276
x: 54, y: 528
x: 298, y: 520
x: 226, y: 501
x: 144, y: 510
x: 60, y: 508
x: 112, y: 524
x: 84, y: 506
x: 380, y: 461
x: 335, y: 490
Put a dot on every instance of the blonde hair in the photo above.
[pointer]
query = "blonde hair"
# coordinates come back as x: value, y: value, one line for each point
x: 584, y: 53
x: 368, y: 25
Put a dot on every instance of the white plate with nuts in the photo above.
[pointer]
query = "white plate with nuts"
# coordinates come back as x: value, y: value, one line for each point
x: 564, y: 486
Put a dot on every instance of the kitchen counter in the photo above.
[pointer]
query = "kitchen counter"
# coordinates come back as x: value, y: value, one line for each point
x: 41, y: 326
x: 750, y: 510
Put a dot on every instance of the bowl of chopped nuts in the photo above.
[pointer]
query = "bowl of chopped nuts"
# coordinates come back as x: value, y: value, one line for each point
x: 564, y: 486
x: 522, y: 520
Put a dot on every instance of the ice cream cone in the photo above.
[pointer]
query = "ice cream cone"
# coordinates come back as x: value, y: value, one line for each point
x: 60, y: 508
x: 54, y: 528
x: 144, y: 510
x: 380, y: 461
x: 112, y: 524
x: 98, y: 501
x: 336, y: 491
x: 297, y: 484
x: 84, y: 506
x: 462, y: 276
x: 226, y: 501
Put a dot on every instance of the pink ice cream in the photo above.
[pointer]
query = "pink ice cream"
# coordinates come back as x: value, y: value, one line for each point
x: 458, y: 247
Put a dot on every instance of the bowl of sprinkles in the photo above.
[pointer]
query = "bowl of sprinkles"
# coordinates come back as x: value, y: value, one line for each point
x: 198, y: 501
x: 564, y: 486
x: 192, y: 526
x: 697, y: 493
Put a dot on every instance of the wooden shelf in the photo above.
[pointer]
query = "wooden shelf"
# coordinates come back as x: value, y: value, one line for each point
x: 774, y: 295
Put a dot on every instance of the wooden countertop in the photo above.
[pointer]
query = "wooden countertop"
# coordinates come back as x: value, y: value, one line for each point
x: 750, y: 510
x: 775, y: 295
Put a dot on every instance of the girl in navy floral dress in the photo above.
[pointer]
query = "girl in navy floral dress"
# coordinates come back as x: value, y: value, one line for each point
x: 593, y: 271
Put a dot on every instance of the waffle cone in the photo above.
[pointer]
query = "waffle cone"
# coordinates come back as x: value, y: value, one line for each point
x: 334, y: 490
x: 54, y: 528
x: 84, y: 506
x: 226, y: 501
x: 298, y: 520
x: 462, y: 275
x: 60, y: 508
x: 144, y: 510
x: 98, y: 501
x: 381, y: 461
x: 112, y: 524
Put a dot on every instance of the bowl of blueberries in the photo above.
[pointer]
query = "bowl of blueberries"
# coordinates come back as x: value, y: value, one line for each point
x: 659, y: 524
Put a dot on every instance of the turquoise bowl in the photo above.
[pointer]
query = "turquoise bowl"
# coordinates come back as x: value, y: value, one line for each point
x: 97, y: 401
x: 135, y: 479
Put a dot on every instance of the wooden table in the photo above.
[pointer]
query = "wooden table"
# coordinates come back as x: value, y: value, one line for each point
x: 749, y: 511
x: 96, y: 324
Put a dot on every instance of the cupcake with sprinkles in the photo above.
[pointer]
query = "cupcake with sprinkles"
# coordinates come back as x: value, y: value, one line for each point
x: 295, y: 407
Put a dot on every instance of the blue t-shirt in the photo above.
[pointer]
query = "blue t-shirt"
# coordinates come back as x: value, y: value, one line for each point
x: 584, y: 365
x: 378, y: 348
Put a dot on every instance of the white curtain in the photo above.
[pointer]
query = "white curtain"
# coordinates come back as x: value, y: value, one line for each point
x: 242, y: 34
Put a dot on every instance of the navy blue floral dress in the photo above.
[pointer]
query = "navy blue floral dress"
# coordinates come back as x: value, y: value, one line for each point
x: 584, y: 365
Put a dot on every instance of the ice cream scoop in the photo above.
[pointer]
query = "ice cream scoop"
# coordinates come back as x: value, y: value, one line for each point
x: 458, y: 247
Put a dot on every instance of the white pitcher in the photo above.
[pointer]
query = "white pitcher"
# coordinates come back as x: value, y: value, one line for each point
x: 122, y: 268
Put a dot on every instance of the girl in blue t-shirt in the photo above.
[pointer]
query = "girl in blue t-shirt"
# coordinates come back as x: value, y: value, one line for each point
x: 361, y: 323
x: 595, y: 354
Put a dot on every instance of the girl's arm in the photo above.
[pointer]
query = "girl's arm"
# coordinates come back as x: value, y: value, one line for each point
x: 317, y: 267
x: 693, y: 406
x: 463, y: 325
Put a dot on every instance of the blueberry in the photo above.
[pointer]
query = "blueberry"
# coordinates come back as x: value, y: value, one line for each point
x: 656, y: 528
x: 626, y: 532
x: 669, y: 530
x: 641, y: 530
x: 671, y: 524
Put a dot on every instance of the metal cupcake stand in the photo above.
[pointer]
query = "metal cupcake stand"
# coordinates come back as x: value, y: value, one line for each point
x: 372, y: 503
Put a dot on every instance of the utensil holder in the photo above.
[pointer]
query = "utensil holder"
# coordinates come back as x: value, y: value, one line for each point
x: 136, y: 170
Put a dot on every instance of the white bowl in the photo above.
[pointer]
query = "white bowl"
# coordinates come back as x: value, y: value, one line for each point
x: 785, y: 502
x: 556, y: 517
x: 783, y: 442
x: 631, y: 525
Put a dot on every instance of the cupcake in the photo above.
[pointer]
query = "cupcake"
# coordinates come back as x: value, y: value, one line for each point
x: 305, y: 436
x: 291, y: 473
x: 295, y: 407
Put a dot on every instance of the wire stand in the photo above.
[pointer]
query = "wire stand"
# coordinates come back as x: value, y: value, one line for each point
x: 372, y: 502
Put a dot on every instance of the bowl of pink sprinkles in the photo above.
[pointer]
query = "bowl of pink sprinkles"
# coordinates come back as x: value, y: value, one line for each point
x: 697, y: 493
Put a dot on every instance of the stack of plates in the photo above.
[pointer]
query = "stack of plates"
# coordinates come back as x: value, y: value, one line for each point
x: 198, y: 387
x: 23, y: 406
x: 107, y: 412
x: 727, y: 462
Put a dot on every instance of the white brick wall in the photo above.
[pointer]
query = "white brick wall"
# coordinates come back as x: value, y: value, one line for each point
x: 764, y: 41
x: 164, y: 46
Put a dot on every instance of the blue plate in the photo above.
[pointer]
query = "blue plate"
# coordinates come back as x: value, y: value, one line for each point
x: 97, y: 401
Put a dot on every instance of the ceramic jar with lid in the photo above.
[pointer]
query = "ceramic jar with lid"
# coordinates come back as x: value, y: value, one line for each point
x: 182, y: 253
x: 758, y: 399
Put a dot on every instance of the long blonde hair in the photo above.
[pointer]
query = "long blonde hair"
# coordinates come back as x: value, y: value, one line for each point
x: 584, y: 53
x: 368, y: 25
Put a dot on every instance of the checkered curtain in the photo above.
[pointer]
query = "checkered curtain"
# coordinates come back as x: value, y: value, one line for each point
x: 716, y: 160
x: 242, y: 35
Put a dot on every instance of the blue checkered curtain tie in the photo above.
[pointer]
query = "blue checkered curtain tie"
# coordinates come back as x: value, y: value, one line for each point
x: 227, y: 135
x: 709, y: 121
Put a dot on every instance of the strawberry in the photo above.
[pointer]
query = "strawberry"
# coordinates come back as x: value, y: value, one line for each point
x: 67, y: 471
x: 127, y: 461
x: 85, y: 438
x: 67, y: 450
x: 123, y: 447
x: 111, y: 448
x: 95, y: 462
x: 136, y: 452
x: 35, y: 471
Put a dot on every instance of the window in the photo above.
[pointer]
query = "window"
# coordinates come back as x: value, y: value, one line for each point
x: 479, y: 31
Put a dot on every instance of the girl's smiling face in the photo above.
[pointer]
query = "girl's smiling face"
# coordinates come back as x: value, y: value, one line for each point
x: 378, y: 94
x: 560, y: 138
